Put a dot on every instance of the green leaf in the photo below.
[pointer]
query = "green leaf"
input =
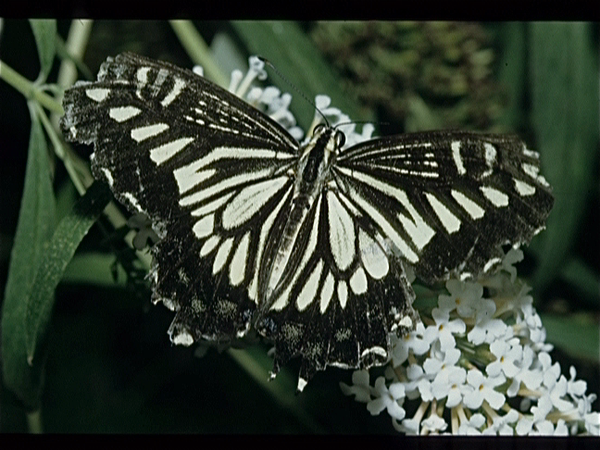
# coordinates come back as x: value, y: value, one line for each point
x: 34, y: 228
x: 576, y: 334
x: 293, y: 54
x: 564, y: 77
x: 69, y: 233
x: 512, y: 73
x: 44, y: 31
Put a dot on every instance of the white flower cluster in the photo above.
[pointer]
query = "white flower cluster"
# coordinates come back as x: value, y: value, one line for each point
x: 471, y: 360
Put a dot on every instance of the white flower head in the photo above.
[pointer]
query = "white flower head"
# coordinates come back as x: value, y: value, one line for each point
x: 434, y: 424
x: 513, y: 256
x: 444, y: 329
x: 360, y: 386
x: 387, y: 398
x: 465, y: 296
x: 472, y: 426
x: 507, y: 356
x: 411, y: 342
x: 482, y: 389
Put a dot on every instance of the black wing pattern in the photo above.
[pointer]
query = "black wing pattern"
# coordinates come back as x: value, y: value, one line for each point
x: 307, y: 244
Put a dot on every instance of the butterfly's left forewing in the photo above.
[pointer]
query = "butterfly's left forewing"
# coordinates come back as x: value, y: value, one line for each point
x: 208, y: 169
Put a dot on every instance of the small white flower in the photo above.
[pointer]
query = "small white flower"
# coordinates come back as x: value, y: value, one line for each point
x: 530, y: 315
x: 257, y: 67
x: 575, y: 388
x: 484, y: 310
x: 441, y: 362
x: 236, y: 77
x: 256, y: 70
x: 531, y: 378
x: 444, y: 329
x: 584, y: 403
x: 592, y: 423
x: 483, y: 389
x: 487, y: 331
x: 524, y: 426
x: 450, y: 385
x: 408, y: 426
x: 506, y: 356
x: 550, y: 372
x: 502, y: 425
x: 558, y: 392
x: 412, y: 341
x: 514, y: 255
x: 546, y: 428
x: 424, y: 386
x: 542, y: 409
x: 360, y: 386
x: 414, y: 373
x: 464, y: 297
x: 471, y: 427
x: 387, y: 398
x: 434, y: 424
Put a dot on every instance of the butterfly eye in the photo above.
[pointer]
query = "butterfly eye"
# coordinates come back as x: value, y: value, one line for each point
x: 340, y: 139
x: 319, y: 128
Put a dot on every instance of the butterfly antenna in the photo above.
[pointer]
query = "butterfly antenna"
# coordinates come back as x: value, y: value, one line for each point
x: 280, y: 75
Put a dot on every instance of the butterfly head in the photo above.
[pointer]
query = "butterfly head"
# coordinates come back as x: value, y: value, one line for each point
x: 328, y: 137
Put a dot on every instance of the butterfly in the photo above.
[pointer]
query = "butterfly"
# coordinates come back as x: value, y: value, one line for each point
x: 307, y: 244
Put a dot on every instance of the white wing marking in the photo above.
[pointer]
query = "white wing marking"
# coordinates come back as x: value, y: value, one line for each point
x: 237, y: 268
x: 249, y: 201
x: 495, y: 196
x: 341, y: 232
x: 472, y: 208
x: 450, y: 222
x: 222, y: 255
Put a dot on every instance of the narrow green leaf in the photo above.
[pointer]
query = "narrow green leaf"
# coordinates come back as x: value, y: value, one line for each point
x: 34, y: 228
x: 564, y: 77
x: 44, y: 31
x: 575, y: 334
x: 295, y: 56
x: 69, y: 233
x: 512, y: 73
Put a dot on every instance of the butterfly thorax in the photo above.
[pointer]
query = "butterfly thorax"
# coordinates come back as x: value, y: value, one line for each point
x: 312, y: 172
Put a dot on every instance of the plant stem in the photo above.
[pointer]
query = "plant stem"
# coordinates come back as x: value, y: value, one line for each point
x: 34, y: 422
x: 28, y: 89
